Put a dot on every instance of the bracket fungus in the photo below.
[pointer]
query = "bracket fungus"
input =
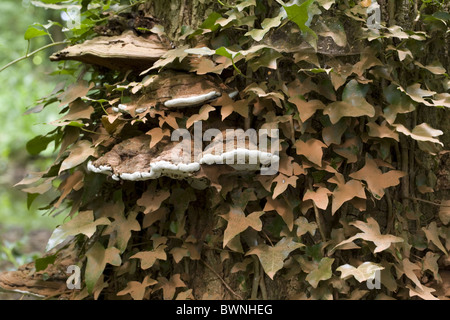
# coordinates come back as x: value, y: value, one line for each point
x: 134, y: 160
x: 239, y: 150
x: 124, y: 52
x: 178, y: 90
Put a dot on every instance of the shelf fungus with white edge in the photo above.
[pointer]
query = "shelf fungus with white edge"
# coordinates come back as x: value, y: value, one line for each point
x: 124, y: 52
x: 50, y: 282
x: 179, y: 90
x: 134, y: 160
x: 238, y: 150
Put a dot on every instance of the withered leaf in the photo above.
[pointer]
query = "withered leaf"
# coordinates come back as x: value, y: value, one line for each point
x: 282, y: 182
x: 345, y: 191
x: 306, y: 109
x: 148, y: 258
x: 136, y: 289
x: 353, y: 104
x: 202, y: 115
x: 376, y: 180
x: 121, y: 226
x: 83, y: 223
x: 238, y: 222
x: 282, y: 208
x: 75, y: 91
x: 157, y: 135
x: 73, y: 182
x: 311, y: 149
x: 79, y: 152
x: 444, y: 212
x: 152, y: 199
x: 272, y: 258
x: 169, y: 287
x: 320, y: 197
x: 432, y: 234
x: 363, y: 272
x: 97, y: 258
x: 371, y: 232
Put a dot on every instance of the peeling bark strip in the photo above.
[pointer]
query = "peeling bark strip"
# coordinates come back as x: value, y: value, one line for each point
x: 123, y: 52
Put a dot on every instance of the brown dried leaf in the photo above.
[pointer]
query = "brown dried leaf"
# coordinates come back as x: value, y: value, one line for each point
x: 282, y: 208
x: 73, y: 182
x: 345, y: 191
x: 79, y: 152
x: 152, y: 199
x: 376, y: 180
x: 304, y: 226
x: 157, y: 135
x: 75, y: 91
x: 282, y: 182
x: 238, y: 222
x: 432, y: 234
x: 306, y: 109
x: 148, y: 258
x: 320, y: 197
x: 311, y: 149
x: 272, y: 258
x: 202, y: 115
x: 137, y: 289
x: 97, y: 258
x: 382, y: 131
x: 444, y: 212
x: 371, y: 232
x: 169, y: 287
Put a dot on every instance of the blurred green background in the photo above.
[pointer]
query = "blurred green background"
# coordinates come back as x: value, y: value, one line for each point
x: 22, y: 85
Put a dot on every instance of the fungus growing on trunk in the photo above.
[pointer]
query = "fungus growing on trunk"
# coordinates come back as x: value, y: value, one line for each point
x: 240, y: 150
x: 124, y: 52
x: 177, y: 90
x: 134, y: 160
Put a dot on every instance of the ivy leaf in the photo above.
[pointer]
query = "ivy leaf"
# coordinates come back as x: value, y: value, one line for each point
x: 238, y: 222
x: 353, y: 104
x: 322, y: 272
x: 304, y: 226
x: 371, y: 232
x: 282, y: 183
x: 345, y: 191
x: 121, y: 226
x: 423, y: 292
x: 157, y: 135
x: 306, y: 109
x: 432, y: 234
x: 300, y: 16
x: 148, y: 258
x: 169, y: 287
x: 320, y: 197
x: 422, y: 132
x: 376, y: 180
x: 152, y: 199
x: 97, y: 258
x: 282, y: 208
x: 136, y: 289
x: 364, y: 272
x: 311, y: 149
x: 79, y: 153
x: 267, y: 24
x: 444, y: 212
x: 202, y: 115
x: 272, y: 258
x: 83, y: 223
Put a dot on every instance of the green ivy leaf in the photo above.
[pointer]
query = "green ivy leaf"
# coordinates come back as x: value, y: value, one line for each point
x: 322, y: 272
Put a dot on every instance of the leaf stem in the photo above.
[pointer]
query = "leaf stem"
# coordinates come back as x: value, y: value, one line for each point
x: 31, y: 54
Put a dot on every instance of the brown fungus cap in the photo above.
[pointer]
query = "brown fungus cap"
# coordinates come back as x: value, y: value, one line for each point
x: 124, y: 52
